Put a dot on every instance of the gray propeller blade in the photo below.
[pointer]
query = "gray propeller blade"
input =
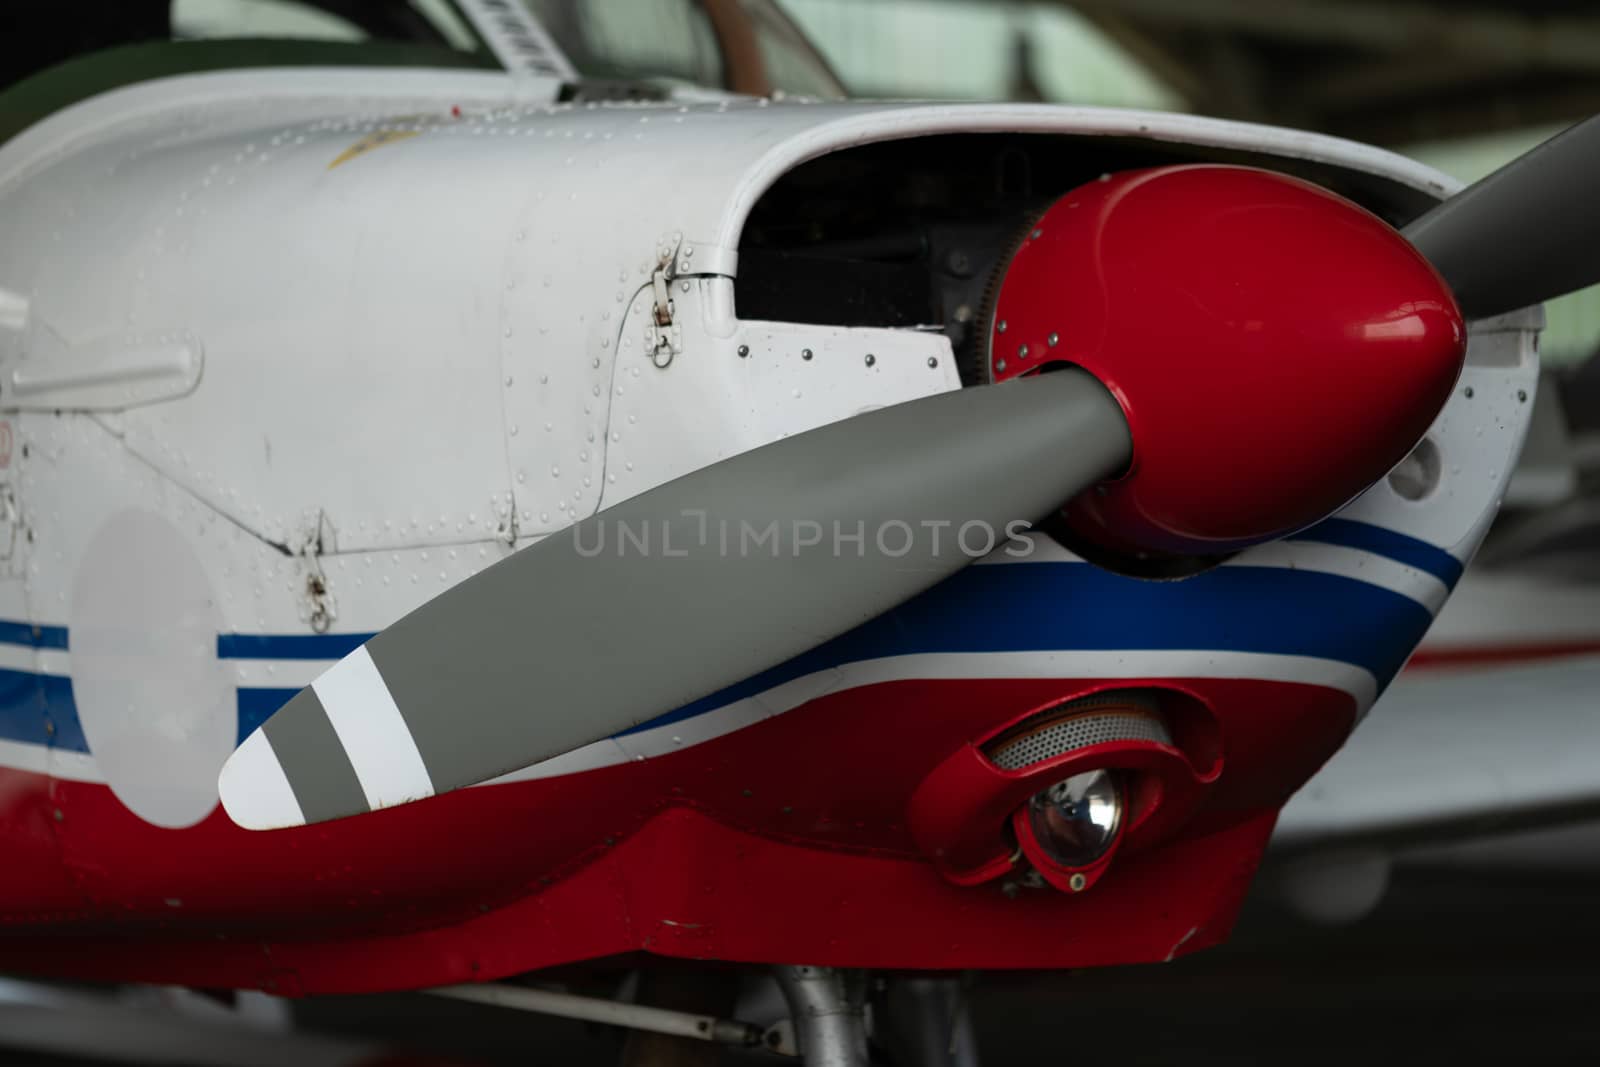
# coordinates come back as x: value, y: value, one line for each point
x: 1524, y: 234
x: 673, y: 595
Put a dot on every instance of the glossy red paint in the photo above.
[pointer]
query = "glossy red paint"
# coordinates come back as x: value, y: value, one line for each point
x: 786, y: 840
x: 955, y: 812
x: 1276, y: 347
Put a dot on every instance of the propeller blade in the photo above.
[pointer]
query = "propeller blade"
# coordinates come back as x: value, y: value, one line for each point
x: 1524, y: 234
x: 672, y: 595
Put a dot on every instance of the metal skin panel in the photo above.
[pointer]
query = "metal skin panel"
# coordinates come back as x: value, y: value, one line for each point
x: 1294, y: 638
x: 392, y: 311
x: 774, y: 388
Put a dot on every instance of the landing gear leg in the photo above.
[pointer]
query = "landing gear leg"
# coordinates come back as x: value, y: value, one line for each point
x: 925, y: 1021
x: 828, y: 1009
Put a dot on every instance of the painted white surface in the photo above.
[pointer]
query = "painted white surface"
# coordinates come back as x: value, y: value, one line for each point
x: 269, y: 803
x: 1479, y: 435
x: 156, y: 707
x: 1368, y: 567
x: 374, y: 736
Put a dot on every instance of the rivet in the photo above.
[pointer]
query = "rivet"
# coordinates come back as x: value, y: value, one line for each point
x: 1000, y: 366
x: 1038, y: 234
x: 1053, y: 340
x: 1467, y: 392
x: 1522, y: 396
x: 871, y: 359
x: 805, y: 353
x: 744, y: 351
x: 1077, y: 882
x: 1022, y: 351
x: 1000, y: 327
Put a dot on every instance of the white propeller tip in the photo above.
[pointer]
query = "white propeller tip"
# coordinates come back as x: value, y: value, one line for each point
x: 255, y: 792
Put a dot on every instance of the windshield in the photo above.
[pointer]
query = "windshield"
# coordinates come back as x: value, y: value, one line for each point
x: 742, y: 45
x: 707, y: 42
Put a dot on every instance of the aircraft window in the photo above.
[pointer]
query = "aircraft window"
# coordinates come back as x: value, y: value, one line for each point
x: 448, y: 21
x: 793, y: 65
x: 203, y: 19
x: 626, y: 39
x: 423, y: 21
x: 617, y: 40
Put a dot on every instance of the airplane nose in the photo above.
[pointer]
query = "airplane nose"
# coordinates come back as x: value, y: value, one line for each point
x: 1275, y: 348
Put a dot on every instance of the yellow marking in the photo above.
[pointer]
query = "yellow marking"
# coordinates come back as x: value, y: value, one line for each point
x: 370, y: 142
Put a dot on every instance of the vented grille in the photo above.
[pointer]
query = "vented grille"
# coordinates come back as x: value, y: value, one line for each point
x: 1075, y: 732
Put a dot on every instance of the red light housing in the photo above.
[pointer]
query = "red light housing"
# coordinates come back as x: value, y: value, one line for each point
x: 960, y: 813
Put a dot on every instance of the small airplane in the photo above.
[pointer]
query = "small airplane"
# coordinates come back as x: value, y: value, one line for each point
x: 456, y: 523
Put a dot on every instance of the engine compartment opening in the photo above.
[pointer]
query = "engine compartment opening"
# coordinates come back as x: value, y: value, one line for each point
x: 915, y: 233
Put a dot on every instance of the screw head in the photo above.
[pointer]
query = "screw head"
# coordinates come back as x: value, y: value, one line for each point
x: 933, y: 361
x: 1522, y: 396
x: 744, y: 351
x: 805, y: 353
x: 871, y: 359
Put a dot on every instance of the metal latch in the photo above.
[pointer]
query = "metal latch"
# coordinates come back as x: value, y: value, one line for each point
x: 663, y: 338
x: 310, y: 542
x: 10, y: 521
x: 663, y: 308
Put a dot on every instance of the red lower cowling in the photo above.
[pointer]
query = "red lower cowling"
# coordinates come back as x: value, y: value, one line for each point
x: 781, y: 842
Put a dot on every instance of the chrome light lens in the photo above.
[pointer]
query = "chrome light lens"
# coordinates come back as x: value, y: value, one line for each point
x: 1076, y: 820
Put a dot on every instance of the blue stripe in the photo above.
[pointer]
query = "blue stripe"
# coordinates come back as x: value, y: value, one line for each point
x: 289, y: 646
x: 62, y: 712
x: 1056, y: 606
x: 1348, y: 533
x: 22, y: 633
x: 995, y: 608
x: 255, y: 705
x: 38, y: 709
x: 22, y: 716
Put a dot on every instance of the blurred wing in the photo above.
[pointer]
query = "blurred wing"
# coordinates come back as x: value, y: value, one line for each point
x: 1456, y: 754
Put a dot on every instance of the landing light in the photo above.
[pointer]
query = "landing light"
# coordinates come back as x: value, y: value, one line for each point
x: 1077, y: 820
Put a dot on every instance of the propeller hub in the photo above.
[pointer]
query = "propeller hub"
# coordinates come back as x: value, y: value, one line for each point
x: 1275, y: 348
